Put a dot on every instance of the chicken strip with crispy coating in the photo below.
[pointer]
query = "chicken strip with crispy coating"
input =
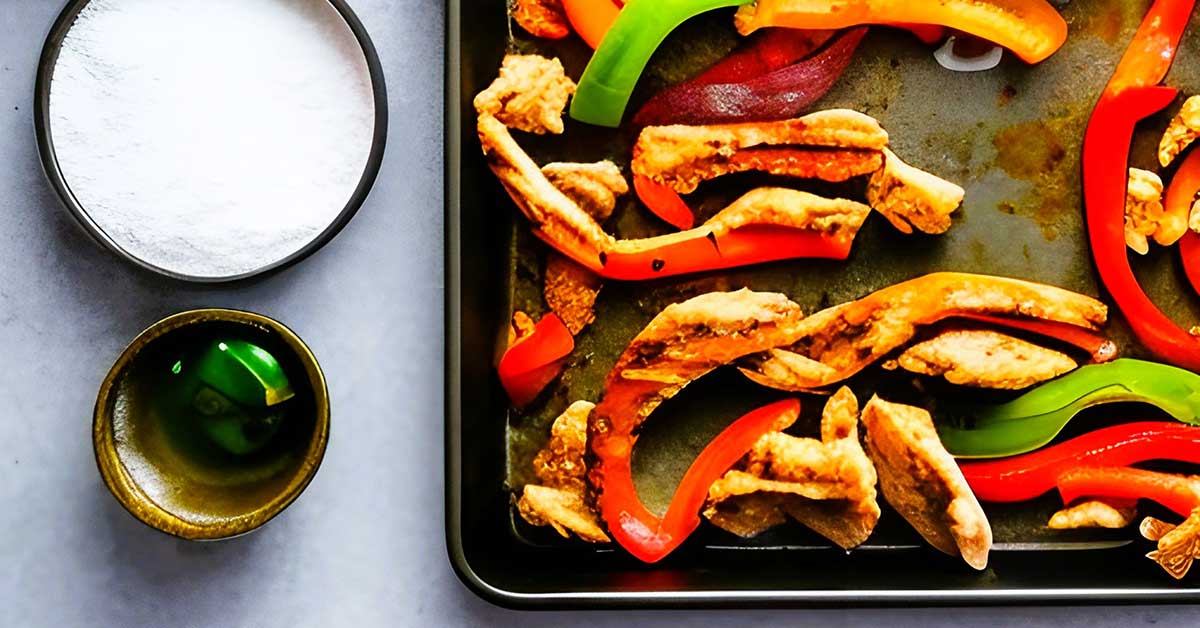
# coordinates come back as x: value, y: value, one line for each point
x: 563, y: 500
x: 920, y: 479
x: 836, y: 343
x: 828, y: 485
x: 1145, y: 215
x: 910, y: 197
x: 833, y: 145
x: 985, y: 359
x: 1183, y: 130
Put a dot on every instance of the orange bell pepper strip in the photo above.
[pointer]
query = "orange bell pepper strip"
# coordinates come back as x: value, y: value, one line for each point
x: 535, y: 360
x: 591, y: 19
x: 642, y: 533
x: 664, y: 202
x: 1032, y: 29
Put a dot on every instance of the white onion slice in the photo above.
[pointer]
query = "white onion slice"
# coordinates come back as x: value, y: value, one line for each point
x: 947, y: 58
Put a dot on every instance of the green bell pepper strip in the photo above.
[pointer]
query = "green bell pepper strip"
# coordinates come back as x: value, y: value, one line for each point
x: 618, y: 63
x: 1035, y: 418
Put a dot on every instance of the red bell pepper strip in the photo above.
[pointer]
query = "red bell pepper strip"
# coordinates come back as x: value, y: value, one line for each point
x: 664, y: 202
x: 699, y: 250
x: 770, y: 50
x: 775, y: 95
x: 1025, y: 477
x: 1030, y: 28
x: 1129, y: 97
x: 1181, y: 195
x: 646, y: 536
x: 1177, y: 492
x: 535, y: 360
x: 591, y: 19
x: 1100, y: 348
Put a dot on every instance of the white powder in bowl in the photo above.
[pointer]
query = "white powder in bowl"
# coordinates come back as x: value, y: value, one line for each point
x: 211, y: 138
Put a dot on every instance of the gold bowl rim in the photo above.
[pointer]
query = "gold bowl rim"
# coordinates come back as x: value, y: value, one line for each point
x: 122, y: 484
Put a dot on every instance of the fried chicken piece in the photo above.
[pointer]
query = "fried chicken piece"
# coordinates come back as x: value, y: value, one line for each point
x: 571, y: 292
x: 563, y: 499
x: 833, y: 145
x: 1145, y: 215
x: 594, y: 187
x: 530, y: 94
x: 920, y: 479
x: 684, y: 342
x: 985, y: 359
x: 542, y: 18
x: 1183, y: 130
x: 910, y: 197
x: 827, y: 485
x: 571, y: 289
x: 834, y: 344
x: 1178, y: 546
x: 1094, y: 514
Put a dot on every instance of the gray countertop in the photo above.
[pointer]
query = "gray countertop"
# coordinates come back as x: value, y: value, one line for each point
x: 364, y: 545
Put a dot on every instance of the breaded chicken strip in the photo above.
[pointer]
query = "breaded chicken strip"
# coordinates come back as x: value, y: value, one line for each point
x: 920, y: 479
x: 827, y: 485
x: 985, y: 359
x: 530, y: 94
x: 833, y: 145
x: 563, y: 499
x: 834, y: 344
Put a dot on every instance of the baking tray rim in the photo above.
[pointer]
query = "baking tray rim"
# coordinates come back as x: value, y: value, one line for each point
x: 759, y: 598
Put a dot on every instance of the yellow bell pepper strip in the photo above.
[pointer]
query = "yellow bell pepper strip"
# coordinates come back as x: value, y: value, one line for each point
x: 1130, y: 96
x: 1035, y: 418
x: 614, y: 70
x: 1032, y: 29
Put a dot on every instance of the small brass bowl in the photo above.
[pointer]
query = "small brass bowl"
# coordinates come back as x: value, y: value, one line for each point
x: 171, y: 481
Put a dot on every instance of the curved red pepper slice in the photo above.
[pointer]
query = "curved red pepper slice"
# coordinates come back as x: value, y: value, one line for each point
x: 1025, y: 477
x: 646, y: 536
x: 664, y: 202
x: 1129, y: 97
x: 1181, y: 194
x: 770, y: 50
x: 1173, y: 491
x: 532, y: 362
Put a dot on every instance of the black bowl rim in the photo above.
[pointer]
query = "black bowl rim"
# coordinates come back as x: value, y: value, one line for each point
x: 41, y: 119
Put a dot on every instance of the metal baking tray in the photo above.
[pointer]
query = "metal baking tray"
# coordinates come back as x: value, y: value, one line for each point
x: 1010, y: 136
